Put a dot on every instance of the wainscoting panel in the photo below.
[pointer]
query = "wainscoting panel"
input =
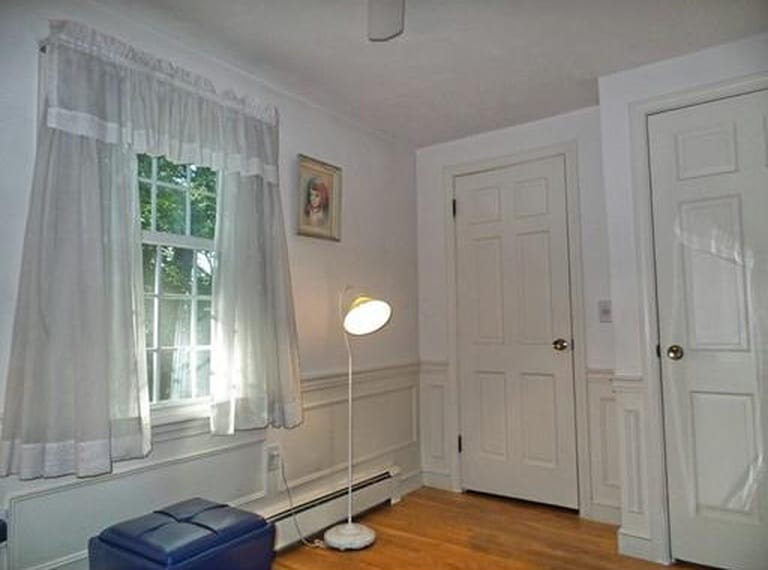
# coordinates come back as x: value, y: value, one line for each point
x: 50, y: 521
x: 434, y: 404
x: 604, y: 448
x: 386, y: 428
x: 435, y: 415
x: 630, y: 403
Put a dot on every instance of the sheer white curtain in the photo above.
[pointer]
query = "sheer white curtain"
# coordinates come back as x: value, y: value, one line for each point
x: 76, y: 395
x: 253, y: 360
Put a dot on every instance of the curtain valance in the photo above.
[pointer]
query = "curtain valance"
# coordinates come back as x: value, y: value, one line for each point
x: 102, y: 88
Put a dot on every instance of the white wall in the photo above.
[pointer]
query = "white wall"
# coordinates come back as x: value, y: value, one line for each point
x: 644, y: 530
x: 580, y: 126
x: 378, y: 249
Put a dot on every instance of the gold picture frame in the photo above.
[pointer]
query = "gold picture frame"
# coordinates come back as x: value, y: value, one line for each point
x: 319, y: 199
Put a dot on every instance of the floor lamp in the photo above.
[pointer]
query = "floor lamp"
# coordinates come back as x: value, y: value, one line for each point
x: 362, y: 315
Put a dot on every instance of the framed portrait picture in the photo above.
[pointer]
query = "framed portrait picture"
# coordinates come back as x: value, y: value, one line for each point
x: 319, y: 199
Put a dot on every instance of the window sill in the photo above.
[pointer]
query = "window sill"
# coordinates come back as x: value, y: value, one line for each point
x: 177, y: 420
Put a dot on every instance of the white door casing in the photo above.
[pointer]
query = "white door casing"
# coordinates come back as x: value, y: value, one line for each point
x: 513, y: 301
x: 709, y: 179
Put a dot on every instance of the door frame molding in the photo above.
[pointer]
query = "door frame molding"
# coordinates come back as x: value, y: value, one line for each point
x: 660, y: 548
x: 569, y: 150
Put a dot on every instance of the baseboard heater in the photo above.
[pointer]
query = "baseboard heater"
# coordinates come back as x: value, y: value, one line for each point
x: 326, y: 510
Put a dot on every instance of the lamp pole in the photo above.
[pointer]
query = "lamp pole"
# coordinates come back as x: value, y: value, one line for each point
x: 349, y: 430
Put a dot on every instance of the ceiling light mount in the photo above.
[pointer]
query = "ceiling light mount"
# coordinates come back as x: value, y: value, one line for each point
x: 386, y: 19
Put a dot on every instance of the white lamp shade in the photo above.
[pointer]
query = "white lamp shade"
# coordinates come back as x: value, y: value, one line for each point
x: 366, y: 315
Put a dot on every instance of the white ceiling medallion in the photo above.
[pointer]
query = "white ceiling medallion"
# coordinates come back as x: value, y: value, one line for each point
x: 385, y: 19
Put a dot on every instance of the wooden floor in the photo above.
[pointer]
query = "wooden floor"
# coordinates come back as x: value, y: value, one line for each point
x: 434, y: 530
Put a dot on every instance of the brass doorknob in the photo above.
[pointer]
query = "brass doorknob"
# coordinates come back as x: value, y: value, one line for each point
x: 675, y: 352
x: 560, y: 344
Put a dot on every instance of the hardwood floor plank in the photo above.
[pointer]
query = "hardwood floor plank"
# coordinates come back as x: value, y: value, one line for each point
x: 438, y: 530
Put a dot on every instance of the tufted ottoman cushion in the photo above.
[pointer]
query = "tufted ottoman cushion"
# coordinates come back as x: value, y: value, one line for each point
x: 191, y: 535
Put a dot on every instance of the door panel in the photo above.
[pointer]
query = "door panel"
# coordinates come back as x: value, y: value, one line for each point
x: 539, y: 406
x: 488, y: 285
x: 514, y: 300
x: 716, y: 310
x: 709, y: 177
x: 535, y: 325
x: 493, y: 422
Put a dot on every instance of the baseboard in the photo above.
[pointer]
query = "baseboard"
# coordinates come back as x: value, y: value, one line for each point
x: 318, y: 514
x: 437, y: 480
x: 603, y: 514
x: 638, y: 547
x: 634, y: 546
x: 409, y: 482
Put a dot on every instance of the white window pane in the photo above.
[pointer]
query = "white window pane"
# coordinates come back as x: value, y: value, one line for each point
x: 151, y: 374
x: 145, y: 166
x: 203, y: 212
x: 171, y: 173
x: 177, y: 199
x: 203, y: 178
x: 145, y: 203
x: 171, y: 211
x: 176, y: 270
x: 149, y: 322
x: 175, y: 317
x: 203, y: 369
x: 174, y: 381
x: 149, y: 260
x: 203, y: 323
x: 204, y: 272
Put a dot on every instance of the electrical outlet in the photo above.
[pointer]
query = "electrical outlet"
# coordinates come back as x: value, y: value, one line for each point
x: 273, y: 457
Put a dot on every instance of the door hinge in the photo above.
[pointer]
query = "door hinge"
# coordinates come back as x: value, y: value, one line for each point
x: 453, y: 205
x: 658, y: 351
x: 460, y: 445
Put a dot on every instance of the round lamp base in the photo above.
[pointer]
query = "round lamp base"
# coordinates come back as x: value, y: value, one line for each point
x: 349, y: 536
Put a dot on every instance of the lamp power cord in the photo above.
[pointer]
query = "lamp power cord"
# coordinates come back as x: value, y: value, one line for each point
x: 317, y: 543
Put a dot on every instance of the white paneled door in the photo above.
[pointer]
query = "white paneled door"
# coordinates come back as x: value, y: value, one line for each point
x: 514, y: 328
x: 709, y: 176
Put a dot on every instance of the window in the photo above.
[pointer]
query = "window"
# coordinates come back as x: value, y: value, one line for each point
x: 178, y: 219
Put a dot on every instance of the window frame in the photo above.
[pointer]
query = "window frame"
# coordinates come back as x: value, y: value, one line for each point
x: 190, y: 414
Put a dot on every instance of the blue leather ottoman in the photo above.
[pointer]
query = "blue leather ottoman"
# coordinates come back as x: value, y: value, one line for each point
x: 191, y: 535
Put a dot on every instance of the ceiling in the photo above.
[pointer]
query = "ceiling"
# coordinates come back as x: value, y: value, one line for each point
x: 462, y: 66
